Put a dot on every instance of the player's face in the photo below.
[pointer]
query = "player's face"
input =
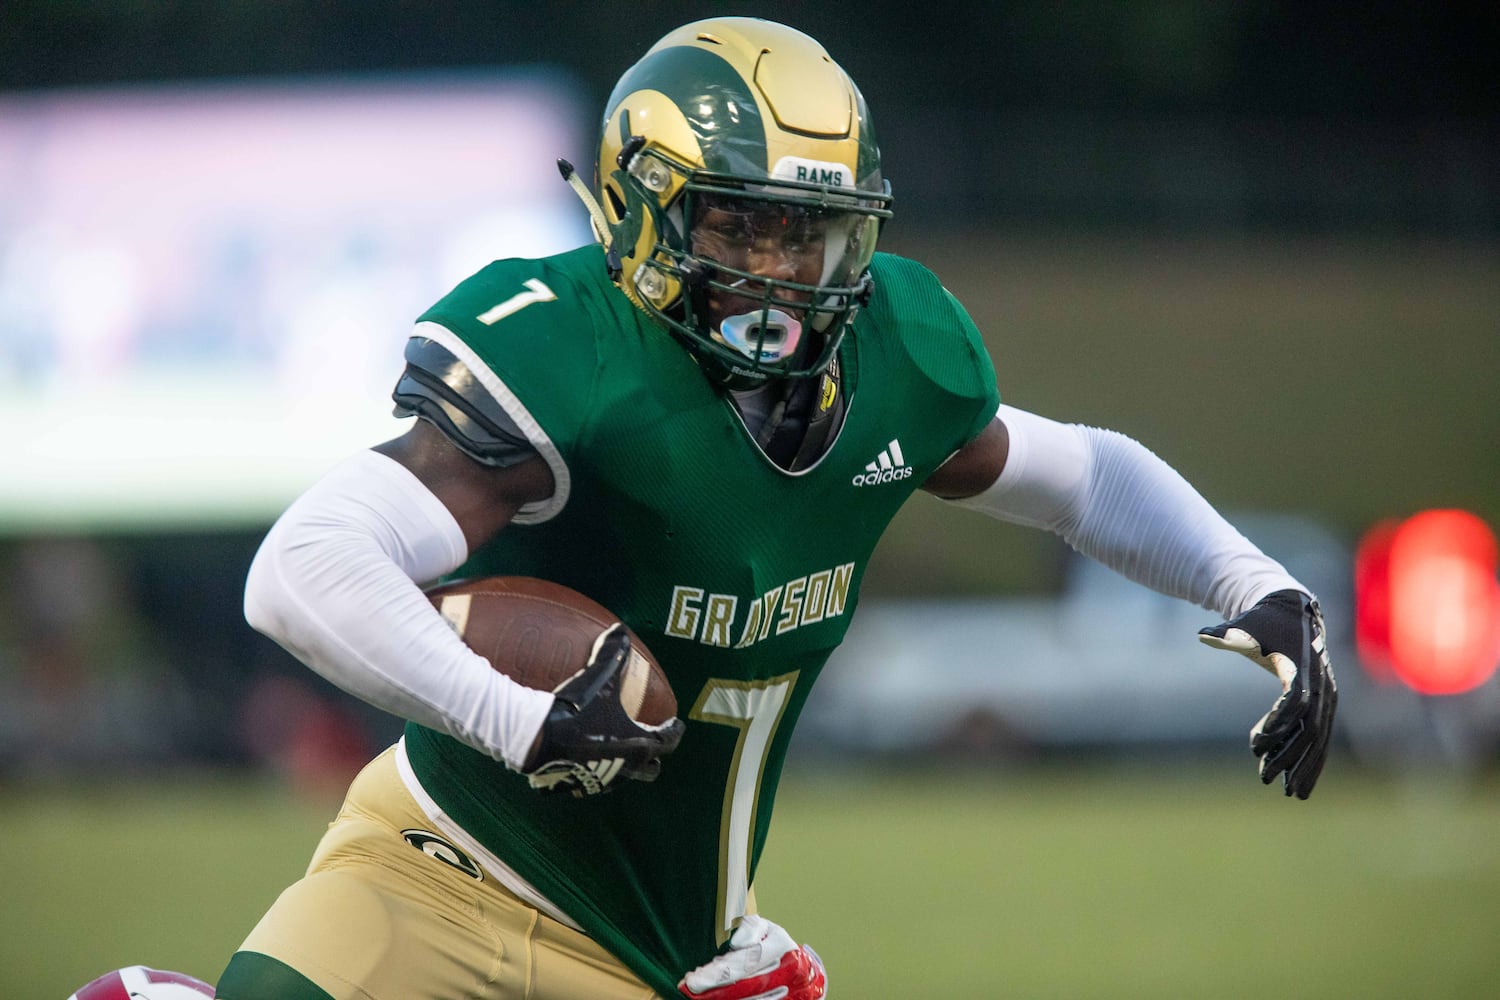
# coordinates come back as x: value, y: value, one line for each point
x: 780, y: 243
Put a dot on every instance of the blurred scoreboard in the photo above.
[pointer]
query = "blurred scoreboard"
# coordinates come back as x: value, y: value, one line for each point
x: 205, y: 289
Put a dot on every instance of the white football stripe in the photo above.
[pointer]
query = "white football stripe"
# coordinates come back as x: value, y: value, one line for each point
x: 455, y: 609
x: 633, y: 684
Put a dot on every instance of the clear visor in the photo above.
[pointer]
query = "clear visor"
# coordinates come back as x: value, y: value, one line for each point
x: 771, y: 270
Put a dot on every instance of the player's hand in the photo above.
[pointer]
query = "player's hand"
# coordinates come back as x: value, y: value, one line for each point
x: 588, y: 740
x: 1284, y: 634
x: 762, y: 963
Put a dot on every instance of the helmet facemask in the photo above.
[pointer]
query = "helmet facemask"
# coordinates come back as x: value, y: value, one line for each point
x: 768, y: 275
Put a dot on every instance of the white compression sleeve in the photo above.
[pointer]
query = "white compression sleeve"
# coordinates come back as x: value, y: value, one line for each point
x: 1113, y: 500
x: 336, y: 583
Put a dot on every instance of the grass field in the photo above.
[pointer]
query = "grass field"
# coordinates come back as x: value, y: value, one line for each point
x: 1114, y: 882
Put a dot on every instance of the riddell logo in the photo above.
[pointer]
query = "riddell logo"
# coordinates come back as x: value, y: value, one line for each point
x: 888, y: 467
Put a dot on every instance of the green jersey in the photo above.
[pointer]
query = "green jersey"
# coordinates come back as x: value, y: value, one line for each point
x: 739, y: 576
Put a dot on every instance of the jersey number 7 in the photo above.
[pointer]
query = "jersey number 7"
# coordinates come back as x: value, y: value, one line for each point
x: 755, y: 709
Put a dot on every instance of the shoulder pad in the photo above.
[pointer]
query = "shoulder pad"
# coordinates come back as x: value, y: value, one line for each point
x: 932, y: 327
x: 440, y: 388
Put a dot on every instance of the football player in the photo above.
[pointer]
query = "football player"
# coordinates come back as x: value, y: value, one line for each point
x: 704, y: 421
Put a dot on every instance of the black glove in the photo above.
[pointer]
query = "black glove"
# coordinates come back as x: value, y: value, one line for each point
x: 588, y: 739
x: 1284, y: 634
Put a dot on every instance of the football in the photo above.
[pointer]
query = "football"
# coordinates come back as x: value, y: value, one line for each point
x: 540, y: 634
x: 137, y: 982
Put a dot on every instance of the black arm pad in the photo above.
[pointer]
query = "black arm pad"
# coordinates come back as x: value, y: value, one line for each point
x: 441, y: 389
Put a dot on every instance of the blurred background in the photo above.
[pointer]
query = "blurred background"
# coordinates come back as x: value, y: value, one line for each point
x: 1264, y: 239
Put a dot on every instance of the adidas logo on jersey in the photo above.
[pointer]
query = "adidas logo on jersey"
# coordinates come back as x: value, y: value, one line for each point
x: 888, y: 467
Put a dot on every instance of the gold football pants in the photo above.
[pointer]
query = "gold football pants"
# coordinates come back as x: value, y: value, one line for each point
x: 390, y: 910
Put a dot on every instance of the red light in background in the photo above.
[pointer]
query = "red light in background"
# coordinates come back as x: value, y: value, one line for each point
x: 1372, y: 600
x: 1442, y: 600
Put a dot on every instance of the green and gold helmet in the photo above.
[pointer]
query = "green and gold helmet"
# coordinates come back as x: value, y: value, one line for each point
x: 740, y: 187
